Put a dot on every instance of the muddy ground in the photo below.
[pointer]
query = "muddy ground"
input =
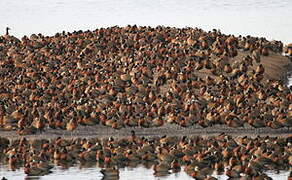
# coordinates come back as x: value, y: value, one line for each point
x: 100, y: 131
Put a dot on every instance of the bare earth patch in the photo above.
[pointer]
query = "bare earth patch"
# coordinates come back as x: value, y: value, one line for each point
x: 99, y: 131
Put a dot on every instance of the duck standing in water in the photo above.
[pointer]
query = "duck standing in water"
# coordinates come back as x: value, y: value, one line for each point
x: 112, y: 172
x: 35, y: 171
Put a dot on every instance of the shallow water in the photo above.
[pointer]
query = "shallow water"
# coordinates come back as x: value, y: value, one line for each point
x: 92, y: 173
x: 267, y: 18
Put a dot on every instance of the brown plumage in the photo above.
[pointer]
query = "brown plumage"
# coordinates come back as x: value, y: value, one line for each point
x: 256, y: 56
x: 260, y: 69
x: 227, y: 68
x: 265, y: 51
x: 71, y: 125
x: 39, y: 124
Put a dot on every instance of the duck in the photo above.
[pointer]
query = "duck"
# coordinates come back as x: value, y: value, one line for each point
x: 26, y: 130
x: 167, y: 140
x: 35, y: 171
x: 274, y: 124
x: 149, y: 156
x: 197, y: 174
x: 256, y: 56
x: 110, y: 172
x: 232, y: 173
x: 39, y: 124
x: 265, y: 51
x: 164, y: 156
x: 87, y: 155
x: 7, y: 31
x: 288, y: 50
x: 161, y: 167
x: 175, y: 166
x: 132, y: 156
x: 233, y: 121
x: 285, y: 121
x: 256, y: 123
x: 227, y: 68
x: 260, y: 69
x: 219, y: 167
x: 12, y: 161
x: 44, y: 165
x: 71, y: 125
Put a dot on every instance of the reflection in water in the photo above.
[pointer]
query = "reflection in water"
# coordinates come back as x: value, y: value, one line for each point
x: 91, y: 172
x: 31, y: 178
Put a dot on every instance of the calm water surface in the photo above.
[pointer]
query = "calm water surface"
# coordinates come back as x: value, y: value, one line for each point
x: 92, y: 173
x: 268, y: 18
